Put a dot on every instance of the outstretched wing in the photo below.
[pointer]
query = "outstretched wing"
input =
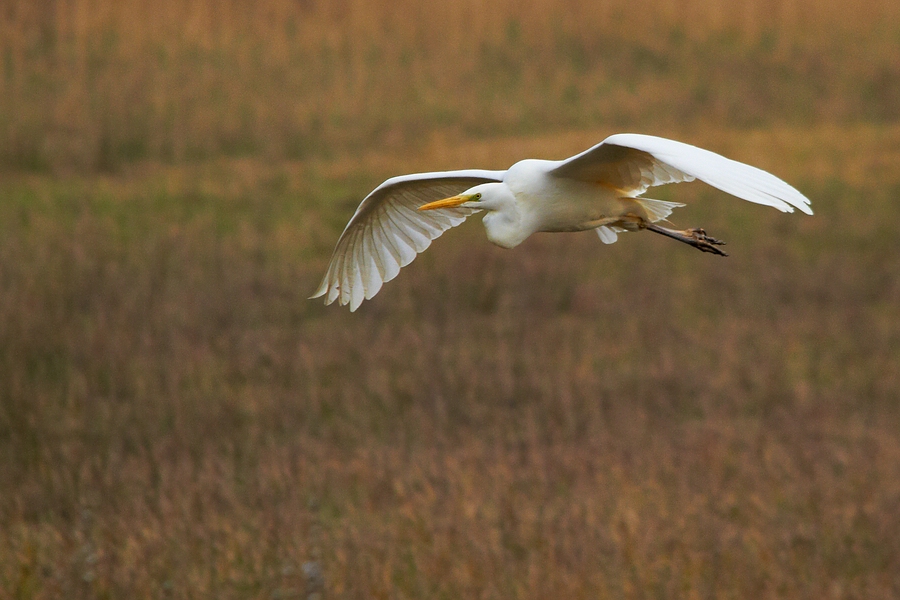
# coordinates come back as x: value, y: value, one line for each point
x: 388, y: 230
x: 631, y: 163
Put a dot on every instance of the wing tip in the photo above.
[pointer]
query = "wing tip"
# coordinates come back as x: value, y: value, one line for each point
x: 798, y: 201
x: 323, y: 288
x: 350, y: 298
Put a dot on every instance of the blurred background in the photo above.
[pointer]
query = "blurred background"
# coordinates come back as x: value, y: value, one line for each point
x: 568, y: 420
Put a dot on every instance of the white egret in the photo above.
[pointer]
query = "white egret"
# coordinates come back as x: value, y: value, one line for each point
x: 598, y: 189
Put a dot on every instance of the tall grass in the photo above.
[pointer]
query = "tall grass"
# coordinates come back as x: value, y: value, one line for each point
x: 567, y: 420
x: 97, y: 83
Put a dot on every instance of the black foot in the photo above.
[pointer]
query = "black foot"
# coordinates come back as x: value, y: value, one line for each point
x: 699, y: 240
x: 694, y: 237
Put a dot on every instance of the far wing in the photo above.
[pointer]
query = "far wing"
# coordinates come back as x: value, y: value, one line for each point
x: 388, y: 230
x: 631, y: 163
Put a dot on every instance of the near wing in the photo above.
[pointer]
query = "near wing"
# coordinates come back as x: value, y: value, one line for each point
x: 631, y: 163
x: 388, y: 230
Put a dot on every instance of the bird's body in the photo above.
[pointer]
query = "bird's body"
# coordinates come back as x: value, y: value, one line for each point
x: 552, y: 204
x: 597, y: 189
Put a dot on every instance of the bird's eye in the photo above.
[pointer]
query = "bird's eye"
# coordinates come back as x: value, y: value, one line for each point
x: 478, y: 196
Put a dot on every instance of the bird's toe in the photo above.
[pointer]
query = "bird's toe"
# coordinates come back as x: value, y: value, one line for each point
x: 706, y: 243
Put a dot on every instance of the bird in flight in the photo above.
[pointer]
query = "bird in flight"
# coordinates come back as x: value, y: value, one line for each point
x: 600, y: 189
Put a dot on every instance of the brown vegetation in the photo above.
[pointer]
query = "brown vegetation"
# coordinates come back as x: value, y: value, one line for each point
x: 95, y: 83
x: 568, y: 420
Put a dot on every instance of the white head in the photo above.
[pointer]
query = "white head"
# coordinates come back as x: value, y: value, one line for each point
x: 486, y: 196
x: 502, y: 221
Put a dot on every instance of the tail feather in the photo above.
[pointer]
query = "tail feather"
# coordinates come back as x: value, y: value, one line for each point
x: 657, y: 210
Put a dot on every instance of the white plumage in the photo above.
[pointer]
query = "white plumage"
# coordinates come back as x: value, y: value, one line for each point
x: 599, y: 188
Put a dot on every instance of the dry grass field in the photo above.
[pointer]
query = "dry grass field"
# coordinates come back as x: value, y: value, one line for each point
x: 566, y: 420
x: 98, y: 83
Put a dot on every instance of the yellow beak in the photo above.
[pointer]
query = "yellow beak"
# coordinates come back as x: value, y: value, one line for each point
x: 447, y: 202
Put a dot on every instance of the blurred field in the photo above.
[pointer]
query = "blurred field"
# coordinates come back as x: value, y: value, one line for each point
x: 567, y: 420
x: 97, y: 83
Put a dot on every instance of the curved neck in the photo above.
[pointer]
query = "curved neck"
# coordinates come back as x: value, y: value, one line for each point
x: 505, y: 225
